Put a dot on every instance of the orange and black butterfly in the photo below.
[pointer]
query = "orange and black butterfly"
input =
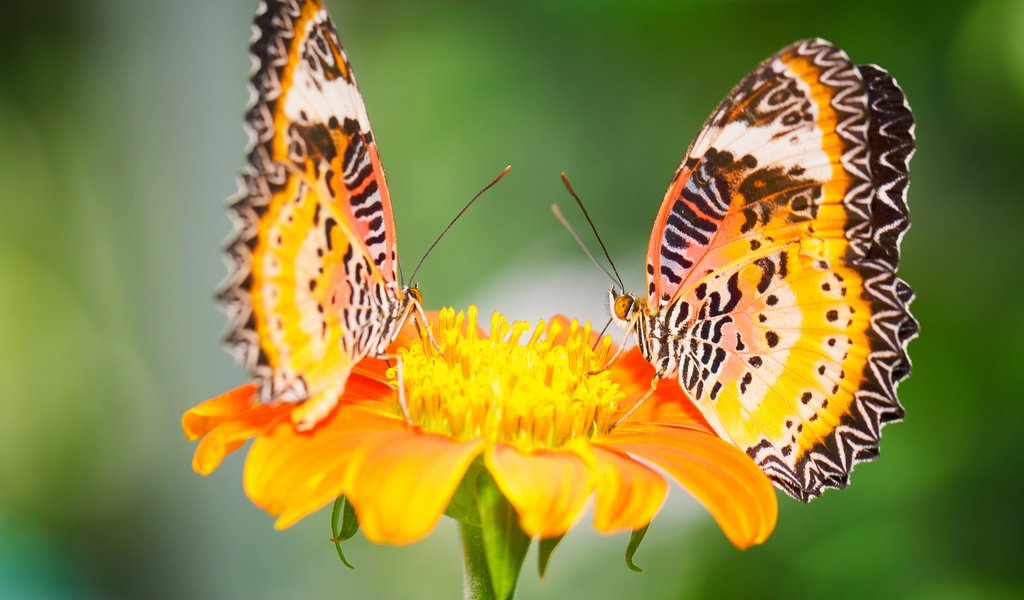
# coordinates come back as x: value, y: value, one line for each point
x: 772, y: 292
x: 312, y: 288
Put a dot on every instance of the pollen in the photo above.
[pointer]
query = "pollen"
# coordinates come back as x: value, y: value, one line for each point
x: 536, y: 389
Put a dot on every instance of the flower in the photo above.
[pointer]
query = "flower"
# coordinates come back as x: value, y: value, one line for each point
x: 532, y: 414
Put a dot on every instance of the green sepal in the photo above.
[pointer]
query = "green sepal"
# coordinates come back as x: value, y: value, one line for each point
x: 349, y: 525
x: 504, y: 543
x: 634, y: 542
x: 462, y: 506
x: 544, y: 550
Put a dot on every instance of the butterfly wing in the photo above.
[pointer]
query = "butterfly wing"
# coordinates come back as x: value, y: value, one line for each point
x: 777, y: 246
x: 313, y: 254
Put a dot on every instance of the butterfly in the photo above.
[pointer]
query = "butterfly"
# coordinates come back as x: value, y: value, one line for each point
x: 772, y: 293
x: 312, y: 260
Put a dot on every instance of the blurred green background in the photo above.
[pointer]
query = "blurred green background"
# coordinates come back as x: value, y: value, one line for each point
x: 120, y: 139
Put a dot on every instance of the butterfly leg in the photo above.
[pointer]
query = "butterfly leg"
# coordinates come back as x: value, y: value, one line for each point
x: 422, y: 316
x: 368, y: 374
x: 640, y: 402
x: 607, y: 363
x: 401, y: 393
x: 630, y: 326
x: 387, y: 358
x: 610, y: 361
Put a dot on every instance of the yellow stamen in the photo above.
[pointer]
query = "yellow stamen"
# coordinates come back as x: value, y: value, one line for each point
x: 531, y: 395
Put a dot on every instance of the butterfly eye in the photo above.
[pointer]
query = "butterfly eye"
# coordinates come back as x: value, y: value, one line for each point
x: 623, y: 307
x: 416, y: 295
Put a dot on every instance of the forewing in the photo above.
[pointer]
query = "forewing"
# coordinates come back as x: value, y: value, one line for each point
x: 781, y: 233
x: 314, y: 233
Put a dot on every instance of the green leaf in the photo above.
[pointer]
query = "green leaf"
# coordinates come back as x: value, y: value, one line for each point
x: 544, y: 550
x: 634, y: 543
x: 505, y: 544
x: 349, y: 525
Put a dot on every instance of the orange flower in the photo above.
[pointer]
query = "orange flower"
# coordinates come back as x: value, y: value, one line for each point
x: 545, y: 430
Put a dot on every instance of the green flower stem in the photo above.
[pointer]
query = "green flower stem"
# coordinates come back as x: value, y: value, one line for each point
x: 477, y: 578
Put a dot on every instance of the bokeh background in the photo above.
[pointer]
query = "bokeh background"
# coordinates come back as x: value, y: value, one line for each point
x: 120, y: 139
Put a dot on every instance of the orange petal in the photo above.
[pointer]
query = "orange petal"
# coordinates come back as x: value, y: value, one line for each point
x: 372, y: 368
x: 724, y: 479
x: 405, y: 480
x: 547, y: 488
x: 668, y: 404
x: 364, y: 387
x: 628, y: 493
x: 228, y: 435
x: 632, y: 371
x: 292, y: 474
x: 198, y: 421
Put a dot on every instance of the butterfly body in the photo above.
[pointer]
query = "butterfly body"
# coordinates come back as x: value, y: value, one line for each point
x: 662, y: 337
x: 312, y: 288
x: 772, y: 295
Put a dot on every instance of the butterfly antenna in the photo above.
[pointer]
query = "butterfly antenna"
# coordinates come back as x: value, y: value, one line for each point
x: 579, y: 203
x: 561, y: 219
x: 461, y: 212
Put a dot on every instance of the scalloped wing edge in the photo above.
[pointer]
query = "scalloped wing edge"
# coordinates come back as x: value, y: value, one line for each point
x: 889, y: 148
x: 268, y: 46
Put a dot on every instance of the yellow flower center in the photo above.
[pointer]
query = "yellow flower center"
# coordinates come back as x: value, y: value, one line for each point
x: 537, y: 394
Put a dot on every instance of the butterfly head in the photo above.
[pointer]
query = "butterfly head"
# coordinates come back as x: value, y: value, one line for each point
x: 400, y: 303
x: 413, y: 295
x: 623, y: 306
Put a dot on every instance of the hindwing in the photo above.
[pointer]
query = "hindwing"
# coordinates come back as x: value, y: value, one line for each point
x: 311, y: 287
x: 780, y: 232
